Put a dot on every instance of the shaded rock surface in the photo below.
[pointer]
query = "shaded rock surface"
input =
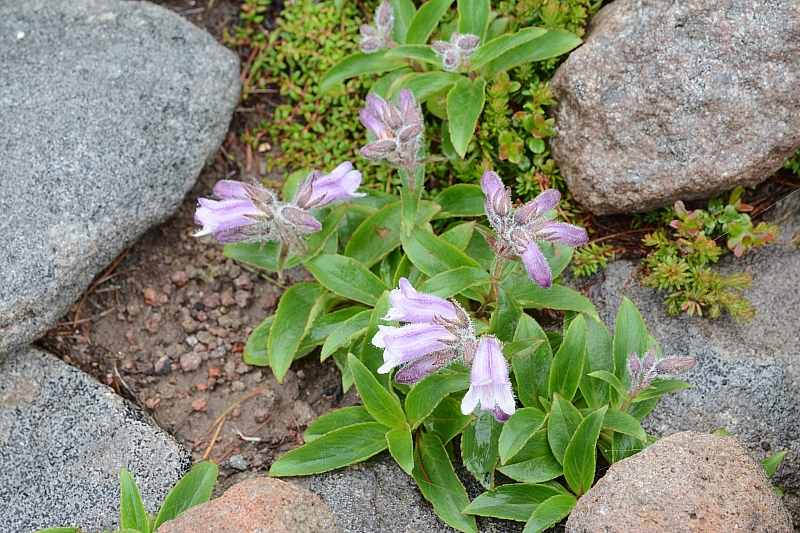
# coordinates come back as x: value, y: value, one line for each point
x: 64, y: 438
x: 747, y: 378
x: 263, y: 505
x: 685, y: 483
x: 110, y: 110
x: 677, y: 100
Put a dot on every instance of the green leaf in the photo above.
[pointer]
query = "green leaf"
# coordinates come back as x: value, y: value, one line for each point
x: 516, y: 501
x: 416, y: 52
x: 379, y: 402
x: 259, y: 255
x: 612, y: 380
x: 464, y: 105
x: 661, y: 387
x: 580, y: 459
x: 522, y: 349
x: 439, y: 483
x: 461, y: 200
x: 531, y: 295
x: 341, y: 447
x: 624, y: 423
x: 409, y: 201
x: 549, y: 512
x: 131, y: 509
x: 518, y: 430
x: 59, y: 530
x: 424, y: 85
x: 599, y: 356
x: 473, y: 16
x: 427, y: 394
x: 426, y: 20
x: 346, y: 277
x: 564, y: 420
x: 193, y: 489
x: 297, y: 310
x: 325, y: 325
x: 255, y: 349
x: 433, y: 255
x: 534, y: 463
x: 479, y: 442
x: 567, y: 369
x: 371, y: 355
x: 459, y: 235
x: 446, y: 421
x: 346, y: 416
x: 347, y: 331
x: 771, y: 463
x: 624, y: 446
x: 552, y: 44
x: 496, y: 28
x: 630, y: 334
x: 505, y: 317
x: 316, y: 241
x: 357, y: 64
x: 403, y: 11
x: 494, y: 48
x: 401, y: 447
x: 532, y: 373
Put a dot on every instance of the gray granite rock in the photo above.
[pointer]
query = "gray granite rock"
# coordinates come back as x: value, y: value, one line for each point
x: 747, y: 378
x: 109, y: 111
x: 685, y: 483
x: 676, y: 100
x: 64, y: 438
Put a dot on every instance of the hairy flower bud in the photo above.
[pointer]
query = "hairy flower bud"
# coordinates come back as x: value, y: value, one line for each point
x: 378, y: 37
x: 674, y: 365
x: 398, y: 129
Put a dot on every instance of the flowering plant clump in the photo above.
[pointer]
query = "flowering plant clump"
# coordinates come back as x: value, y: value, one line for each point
x: 432, y: 293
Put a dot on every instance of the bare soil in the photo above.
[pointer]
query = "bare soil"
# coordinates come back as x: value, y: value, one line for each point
x: 166, y: 324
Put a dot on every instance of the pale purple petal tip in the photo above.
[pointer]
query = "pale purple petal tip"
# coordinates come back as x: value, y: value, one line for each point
x: 491, y: 184
x: 372, y: 123
x: 417, y: 370
x: 228, y: 189
x: 536, y: 265
x: 564, y: 233
x: 547, y: 201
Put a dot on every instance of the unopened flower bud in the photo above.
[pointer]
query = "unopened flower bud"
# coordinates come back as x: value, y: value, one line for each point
x: 467, y: 43
x: 370, y: 45
x: 634, y: 367
x: 450, y: 61
x: 384, y: 16
x: 378, y: 149
x: 440, y: 47
x: 301, y: 219
x: 409, y: 132
x: 674, y: 365
x: 649, y: 361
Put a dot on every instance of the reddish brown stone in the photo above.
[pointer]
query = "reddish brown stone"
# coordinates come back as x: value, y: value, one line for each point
x: 685, y: 483
x: 260, y: 505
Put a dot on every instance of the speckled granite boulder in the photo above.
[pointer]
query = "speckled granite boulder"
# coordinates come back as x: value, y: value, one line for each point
x: 64, y: 438
x: 261, y: 504
x: 686, y: 483
x: 109, y: 110
x: 677, y: 100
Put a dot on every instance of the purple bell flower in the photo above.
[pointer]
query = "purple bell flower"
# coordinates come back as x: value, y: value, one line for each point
x: 410, y: 342
x: 489, y: 382
x: 242, y: 212
x: 408, y: 305
x: 520, y: 230
x: 318, y: 190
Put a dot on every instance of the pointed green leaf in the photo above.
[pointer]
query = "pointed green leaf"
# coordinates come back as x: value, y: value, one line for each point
x: 516, y: 501
x: 346, y: 277
x: 425, y: 20
x: 599, y: 356
x: 424, y: 85
x: 531, y: 295
x: 612, y: 380
x: 427, y: 394
x: 401, y: 447
x: 624, y: 446
x: 379, y: 402
x: 316, y: 241
x: 131, y: 509
x: 61, y: 530
x: 357, y: 64
x: 534, y: 463
x: 479, y: 442
x: 661, y: 387
x: 771, y: 463
x: 325, y: 325
x: 261, y: 255
x: 446, y: 421
x: 580, y: 459
x: 193, y: 489
x: 496, y: 47
x: 532, y: 373
x: 518, y: 430
x: 567, y: 369
x: 459, y: 235
x: 564, y: 420
x: 461, y: 200
x: 403, y: 11
x: 630, y: 334
x: 505, y: 317
x: 473, y: 16
x: 439, y: 483
x: 416, y: 52
x: 464, y: 105
x: 346, y: 332
x: 409, y: 201
x: 346, y: 416
x: 549, y: 512
x: 624, y: 423
x: 298, y: 308
x: 432, y: 255
x: 342, y: 447
x: 552, y: 44
x: 255, y: 349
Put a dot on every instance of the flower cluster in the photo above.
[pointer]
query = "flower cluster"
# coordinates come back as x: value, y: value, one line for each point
x: 437, y: 333
x: 650, y: 368
x: 456, y: 53
x: 252, y: 213
x: 519, y: 230
x: 378, y: 37
x: 397, y: 129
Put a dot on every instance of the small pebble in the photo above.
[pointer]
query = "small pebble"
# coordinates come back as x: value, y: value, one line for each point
x: 260, y: 415
x: 163, y: 365
x: 242, y: 368
x: 238, y: 386
x: 191, y: 340
x: 199, y: 404
x: 226, y: 298
x: 238, y: 462
x: 212, y: 301
x: 243, y: 282
x: 242, y: 298
x: 218, y: 352
x: 150, y: 296
x: 190, y: 361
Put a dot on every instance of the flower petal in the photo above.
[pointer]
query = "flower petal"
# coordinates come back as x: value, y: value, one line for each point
x: 408, y: 305
x: 536, y: 264
x: 563, y: 233
x: 229, y: 189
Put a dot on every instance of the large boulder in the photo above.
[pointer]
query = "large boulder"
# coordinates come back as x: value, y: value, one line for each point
x: 746, y: 379
x: 677, y: 100
x: 109, y: 110
x: 685, y: 483
x: 64, y: 438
